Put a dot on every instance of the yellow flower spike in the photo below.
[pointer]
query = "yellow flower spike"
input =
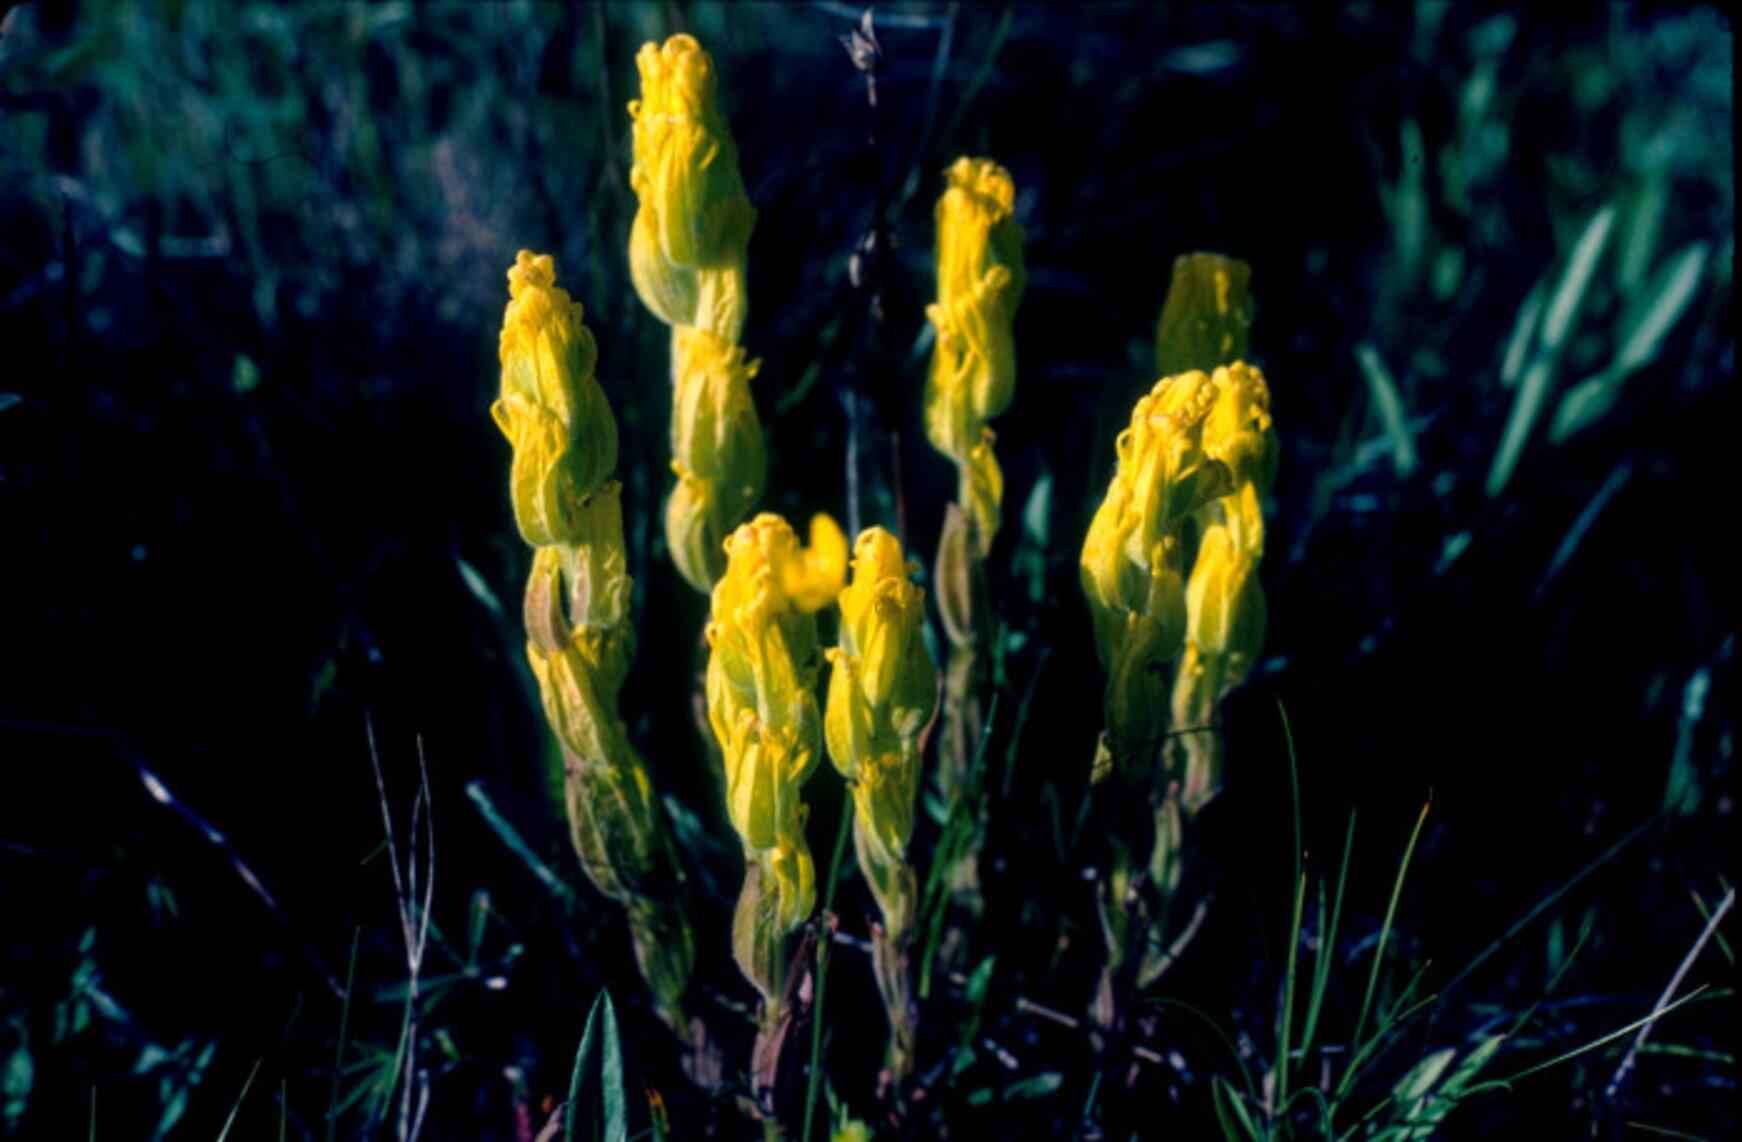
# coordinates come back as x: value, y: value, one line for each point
x: 576, y: 611
x: 820, y: 571
x: 762, y: 671
x: 688, y: 241
x: 551, y: 407
x: 715, y: 434
x: 882, y: 693
x: 973, y: 370
x: 1196, y: 442
x: 977, y: 231
x: 717, y: 451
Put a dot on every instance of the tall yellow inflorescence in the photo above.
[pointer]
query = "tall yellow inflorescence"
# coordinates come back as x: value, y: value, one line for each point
x: 882, y: 694
x: 580, y: 639
x: 1193, y: 466
x: 972, y: 378
x: 973, y: 368
x: 763, y: 664
x: 687, y: 259
x: 1197, y: 455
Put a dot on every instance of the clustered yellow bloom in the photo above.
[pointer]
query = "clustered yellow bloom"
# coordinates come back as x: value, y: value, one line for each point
x: 687, y: 259
x: 551, y: 408
x: 717, y: 451
x: 579, y: 637
x: 973, y: 367
x: 883, y: 691
x: 761, y: 696
x: 1200, y: 450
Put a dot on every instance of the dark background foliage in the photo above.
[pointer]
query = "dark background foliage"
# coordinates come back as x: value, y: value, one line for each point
x: 251, y: 270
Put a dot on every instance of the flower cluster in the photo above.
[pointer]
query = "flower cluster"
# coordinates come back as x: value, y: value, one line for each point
x: 762, y: 673
x: 1199, y: 451
x: 882, y: 693
x: 579, y: 637
x: 551, y: 408
x: 973, y: 368
x: 687, y: 259
x: 883, y: 690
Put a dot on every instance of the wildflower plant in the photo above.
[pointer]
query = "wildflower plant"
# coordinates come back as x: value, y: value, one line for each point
x: 580, y: 637
x: 763, y: 667
x: 687, y: 250
x: 1193, y: 465
x: 972, y: 378
x: 882, y: 696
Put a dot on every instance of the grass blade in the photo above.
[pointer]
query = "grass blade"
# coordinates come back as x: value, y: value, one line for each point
x: 1327, y: 943
x: 1547, y: 902
x: 237, y: 1108
x: 1389, y: 404
x: 344, y: 1034
x: 600, y: 1036
x: 1569, y: 294
x: 1557, y: 323
x: 1231, y: 1112
x: 1674, y: 290
x: 1284, y: 1035
x: 1603, y: 1041
x: 1384, y: 937
x: 1523, y: 334
x: 816, y: 1076
x: 511, y: 837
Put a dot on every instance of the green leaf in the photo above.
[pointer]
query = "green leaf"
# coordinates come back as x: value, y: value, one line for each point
x: 16, y: 1081
x: 1389, y: 405
x: 245, y: 375
x: 1523, y: 334
x: 604, y: 1082
x: 1231, y: 1110
x: 1037, y: 513
x: 1423, y: 1076
x: 1575, y: 281
x: 1207, y: 314
x: 1039, y: 1086
x: 1670, y: 294
x: 1591, y: 399
x: 980, y: 979
x: 479, y: 588
x: 1557, y: 324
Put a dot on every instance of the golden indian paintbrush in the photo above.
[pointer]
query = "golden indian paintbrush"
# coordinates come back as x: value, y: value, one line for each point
x: 687, y: 260
x: 579, y: 635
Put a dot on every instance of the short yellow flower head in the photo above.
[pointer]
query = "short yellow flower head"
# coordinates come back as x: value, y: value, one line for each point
x: 1199, y: 446
x: 882, y: 693
x: 551, y: 407
x: 882, y: 615
x: 762, y: 673
x: 977, y: 229
x: 717, y: 450
x: 763, y: 663
x: 981, y: 278
x: 687, y: 244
